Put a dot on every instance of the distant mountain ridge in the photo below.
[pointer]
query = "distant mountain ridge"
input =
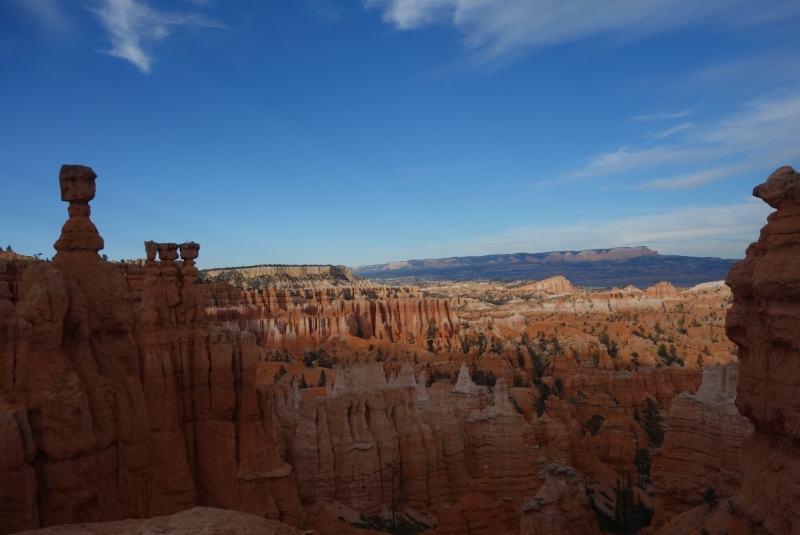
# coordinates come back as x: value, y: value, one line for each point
x: 618, y: 266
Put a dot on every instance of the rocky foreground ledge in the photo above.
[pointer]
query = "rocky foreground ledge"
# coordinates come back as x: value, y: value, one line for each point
x: 197, y: 521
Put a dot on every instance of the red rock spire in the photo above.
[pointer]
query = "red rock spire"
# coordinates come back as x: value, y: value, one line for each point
x: 78, y: 188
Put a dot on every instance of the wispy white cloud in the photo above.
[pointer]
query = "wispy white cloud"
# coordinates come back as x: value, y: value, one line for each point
x: 498, y: 28
x: 695, y: 179
x: 674, y: 130
x: 722, y: 231
x: 767, y: 123
x: 761, y: 134
x: 623, y: 161
x: 662, y: 116
x: 134, y: 27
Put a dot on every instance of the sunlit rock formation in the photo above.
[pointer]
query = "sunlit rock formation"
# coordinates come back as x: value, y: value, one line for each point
x: 281, y: 277
x: 556, y: 284
x: 302, y: 321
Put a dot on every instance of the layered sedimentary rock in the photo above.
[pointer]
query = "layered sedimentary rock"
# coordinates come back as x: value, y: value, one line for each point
x: 283, y: 277
x: 662, y: 290
x: 764, y: 323
x: 463, y: 454
x: 630, y: 388
x: 200, y: 520
x: 557, y: 284
x: 130, y: 391
x: 302, y: 321
x: 11, y: 255
x: 118, y: 400
x: 560, y: 507
x: 701, y: 448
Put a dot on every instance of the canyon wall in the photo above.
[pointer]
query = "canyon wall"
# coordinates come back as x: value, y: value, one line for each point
x: 127, y: 390
x: 298, y: 321
x: 287, y: 277
x: 764, y: 323
x: 292, y: 271
x: 118, y: 400
x: 702, y: 445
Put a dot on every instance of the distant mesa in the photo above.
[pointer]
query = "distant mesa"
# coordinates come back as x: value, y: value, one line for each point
x: 599, y: 268
x: 286, y: 277
x: 11, y: 255
x: 556, y: 284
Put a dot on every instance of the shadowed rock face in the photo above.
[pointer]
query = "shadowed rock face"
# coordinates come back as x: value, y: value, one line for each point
x: 120, y: 399
x: 764, y: 322
x: 117, y: 399
x: 560, y: 507
x: 197, y: 520
x: 702, y: 446
x: 78, y: 188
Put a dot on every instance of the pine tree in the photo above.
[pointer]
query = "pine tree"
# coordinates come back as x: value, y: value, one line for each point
x: 595, y: 423
x: 322, y: 379
x: 397, y: 483
x: 303, y: 383
x: 710, y: 498
x: 643, y: 462
x: 653, y: 424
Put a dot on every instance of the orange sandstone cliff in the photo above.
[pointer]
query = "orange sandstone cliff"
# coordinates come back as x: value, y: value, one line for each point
x: 701, y: 448
x: 764, y: 323
x: 298, y: 321
x: 117, y: 400
x: 129, y: 391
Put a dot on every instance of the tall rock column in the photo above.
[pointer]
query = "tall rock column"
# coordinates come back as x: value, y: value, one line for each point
x: 765, y: 323
x: 76, y: 444
x: 78, y: 233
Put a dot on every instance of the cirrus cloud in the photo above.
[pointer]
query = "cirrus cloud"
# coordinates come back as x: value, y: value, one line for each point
x: 500, y: 28
x: 134, y: 27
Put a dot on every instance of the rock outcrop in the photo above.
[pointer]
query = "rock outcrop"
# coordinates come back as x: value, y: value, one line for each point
x: 127, y: 390
x: 302, y: 321
x: 118, y: 399
x: 556, y: 284
x: 11, y: 255
x: 763, y: 322
x: 662, y: 290
x: 560, y: 507
x: 281, y: 277
x: 200, y: 521
x: 463, y: 455
x: 702, y: 445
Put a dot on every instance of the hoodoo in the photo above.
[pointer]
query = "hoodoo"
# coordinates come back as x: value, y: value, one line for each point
x: 128, y: 392
x: 764, y: 323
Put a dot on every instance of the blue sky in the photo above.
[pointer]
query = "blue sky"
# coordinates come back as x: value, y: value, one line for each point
x: 357, y: 132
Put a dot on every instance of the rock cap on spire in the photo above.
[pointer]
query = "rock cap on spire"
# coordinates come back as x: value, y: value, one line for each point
x: 77, y: 183
x: 783, y: 184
